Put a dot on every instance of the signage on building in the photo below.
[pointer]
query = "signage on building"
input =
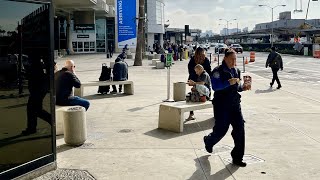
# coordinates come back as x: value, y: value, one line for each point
x: 126, y: 13
x: 83, y: 27
x: 83, y: 36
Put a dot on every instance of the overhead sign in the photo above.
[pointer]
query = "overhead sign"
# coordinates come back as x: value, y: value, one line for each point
x: 169, y: 60
x: 84, y: 27
x: 83, y: 36
x: 126, y: 13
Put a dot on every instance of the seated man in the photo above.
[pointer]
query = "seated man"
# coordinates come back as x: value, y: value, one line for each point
x: 202, y: 86
x: 65, y: 80
x: 120, y: 73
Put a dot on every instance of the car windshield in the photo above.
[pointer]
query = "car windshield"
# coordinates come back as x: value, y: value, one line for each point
x: 236, y: 45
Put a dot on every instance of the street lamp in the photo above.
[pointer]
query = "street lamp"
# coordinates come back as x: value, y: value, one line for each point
x: 228, y: 23
x: 261, y: 5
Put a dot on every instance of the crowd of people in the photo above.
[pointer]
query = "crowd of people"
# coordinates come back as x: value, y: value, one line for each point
x: 225, y: 81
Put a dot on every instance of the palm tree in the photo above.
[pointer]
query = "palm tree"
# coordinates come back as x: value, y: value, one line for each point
x: 140, y: 38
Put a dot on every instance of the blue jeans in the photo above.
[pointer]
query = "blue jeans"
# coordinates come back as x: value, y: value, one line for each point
x: 77, y: 101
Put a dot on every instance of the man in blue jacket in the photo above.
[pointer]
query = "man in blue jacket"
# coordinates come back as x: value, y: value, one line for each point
x: 227, y: 109
x: 120, y: 73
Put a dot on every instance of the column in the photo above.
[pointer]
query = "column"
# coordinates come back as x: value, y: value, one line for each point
x: 150, y: 39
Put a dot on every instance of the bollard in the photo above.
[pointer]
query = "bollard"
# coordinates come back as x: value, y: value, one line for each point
x: 75, y: 126
x: 179, y: 91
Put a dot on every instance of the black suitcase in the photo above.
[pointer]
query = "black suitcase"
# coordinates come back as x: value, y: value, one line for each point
x: 105, y: 76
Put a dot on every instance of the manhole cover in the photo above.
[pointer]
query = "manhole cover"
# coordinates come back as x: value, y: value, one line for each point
x: 67, y: 174
x: 86, y: 145
x: 248, y: 158
x: 125, y: 131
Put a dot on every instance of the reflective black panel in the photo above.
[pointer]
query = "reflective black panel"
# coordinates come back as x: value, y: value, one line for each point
x: 25, y: 83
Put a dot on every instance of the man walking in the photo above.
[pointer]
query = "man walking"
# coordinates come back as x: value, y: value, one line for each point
x: 275, y: 62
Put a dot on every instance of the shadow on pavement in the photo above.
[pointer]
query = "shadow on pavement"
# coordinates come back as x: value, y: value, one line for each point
x: 190, y: 128
x: 63, y: 148
x: 141, y: 108
x: 203, y: 166
x: 103, y: 96
x: 258, y: 91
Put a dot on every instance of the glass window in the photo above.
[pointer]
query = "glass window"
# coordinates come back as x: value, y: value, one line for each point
x: 26, y: 72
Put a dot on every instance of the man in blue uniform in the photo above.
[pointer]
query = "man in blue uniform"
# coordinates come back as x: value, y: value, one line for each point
x: 226, y: 83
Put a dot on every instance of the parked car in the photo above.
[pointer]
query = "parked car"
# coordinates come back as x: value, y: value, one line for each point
x: 220, y: 48
x: 237, y: 47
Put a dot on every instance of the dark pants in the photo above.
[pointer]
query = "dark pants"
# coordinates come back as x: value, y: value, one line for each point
x: 77, y: 101
x: 114, y: 88
x: 275, y: 76
x: 35, y: 110
x: 224, y: 117
x: 181, y: 54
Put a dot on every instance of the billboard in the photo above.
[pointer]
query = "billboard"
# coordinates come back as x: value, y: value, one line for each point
x: 126, y: 13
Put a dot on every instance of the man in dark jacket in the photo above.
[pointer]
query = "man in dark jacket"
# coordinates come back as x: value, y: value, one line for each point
x: 227, y: 109
x: 65, y: 80
x: 120, y: 73
x: 275, y: 62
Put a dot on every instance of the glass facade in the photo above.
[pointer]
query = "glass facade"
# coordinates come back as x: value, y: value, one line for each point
x: 26, y: 87
x: 101, y: 35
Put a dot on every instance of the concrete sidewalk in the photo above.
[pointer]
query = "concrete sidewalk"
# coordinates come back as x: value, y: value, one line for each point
x: 282, y: 137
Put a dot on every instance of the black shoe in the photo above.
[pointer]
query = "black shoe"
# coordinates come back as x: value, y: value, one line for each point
x: 239, y: 163
x: 28, y: 132
x: 208, y: 148
x: 271, y: 84
x: 114, y: 92
x: 279, y: 87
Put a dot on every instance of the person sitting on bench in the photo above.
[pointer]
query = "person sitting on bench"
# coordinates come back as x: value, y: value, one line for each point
x: 65, y: 80
x: 202, y: 86
x: 120, y: 73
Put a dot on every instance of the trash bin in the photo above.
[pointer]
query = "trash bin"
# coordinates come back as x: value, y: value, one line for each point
x: 75, y: 126
x: 179, y: 91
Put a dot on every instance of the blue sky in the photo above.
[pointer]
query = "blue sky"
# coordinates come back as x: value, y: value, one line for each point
x: 205, y: 14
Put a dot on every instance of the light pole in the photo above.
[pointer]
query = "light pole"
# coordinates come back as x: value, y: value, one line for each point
x: 261, y: 5
x: 228, y: 23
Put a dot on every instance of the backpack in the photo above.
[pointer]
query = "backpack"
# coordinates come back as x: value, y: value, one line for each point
x: 104, y: 76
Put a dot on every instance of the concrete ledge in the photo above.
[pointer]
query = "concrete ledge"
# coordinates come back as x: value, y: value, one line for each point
x: 128, y: 86
x: 150, y: 56
x: 130, y: 56
x: 154, y: 62
x: 171, y: 115
x: 159, y: 65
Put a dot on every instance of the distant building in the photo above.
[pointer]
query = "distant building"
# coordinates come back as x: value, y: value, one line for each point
x: 226, y: 31
x: 207, y: 33
x: 246, y: 29
x: 285, y: 22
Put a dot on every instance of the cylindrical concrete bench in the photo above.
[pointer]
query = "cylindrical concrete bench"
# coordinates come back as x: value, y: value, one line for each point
x: 179, y: 91
x: 75, y: 126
